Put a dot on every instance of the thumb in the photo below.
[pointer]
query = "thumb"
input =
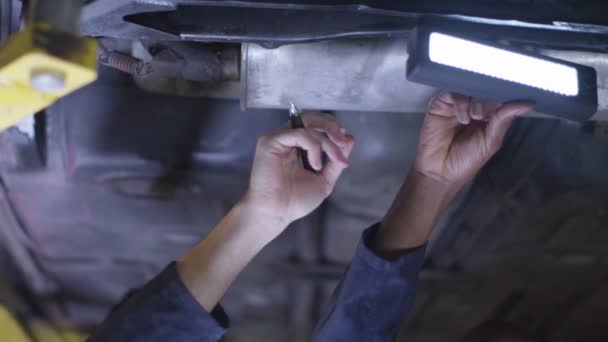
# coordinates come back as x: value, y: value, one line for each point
x: 501, y: 121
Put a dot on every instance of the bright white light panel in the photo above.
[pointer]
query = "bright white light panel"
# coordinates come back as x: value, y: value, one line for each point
x: 506, y: 65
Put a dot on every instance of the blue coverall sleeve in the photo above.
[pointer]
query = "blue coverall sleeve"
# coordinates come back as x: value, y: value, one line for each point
x: 368, y: 305
x: 162, y: 310
x: 372, y: 298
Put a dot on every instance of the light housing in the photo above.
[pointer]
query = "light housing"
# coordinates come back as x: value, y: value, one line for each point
x: 447, y: 60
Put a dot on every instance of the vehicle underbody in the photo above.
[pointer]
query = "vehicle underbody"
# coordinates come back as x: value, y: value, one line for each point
x: 103, y: 189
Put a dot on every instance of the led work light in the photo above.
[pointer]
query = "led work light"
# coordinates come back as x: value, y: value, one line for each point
x: 448, y: 61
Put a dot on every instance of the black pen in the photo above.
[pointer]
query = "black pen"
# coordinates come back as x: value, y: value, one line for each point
x: 296, y: 122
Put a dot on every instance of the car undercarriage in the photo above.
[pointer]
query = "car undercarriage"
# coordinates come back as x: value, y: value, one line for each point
x: 105, y: 187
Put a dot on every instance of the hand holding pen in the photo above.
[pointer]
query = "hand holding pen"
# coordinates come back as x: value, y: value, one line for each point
x: 278, y: 180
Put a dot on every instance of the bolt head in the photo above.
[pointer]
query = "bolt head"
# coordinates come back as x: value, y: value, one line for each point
x: 47, y: 80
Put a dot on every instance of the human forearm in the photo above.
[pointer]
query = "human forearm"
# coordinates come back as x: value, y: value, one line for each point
x: 459, y: 135
x: 280, y: 192
x: 414, y: 212
x: 210, y: 267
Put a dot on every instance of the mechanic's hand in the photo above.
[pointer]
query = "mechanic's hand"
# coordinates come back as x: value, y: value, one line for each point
x: 280, y: 188
x: 460, y: 134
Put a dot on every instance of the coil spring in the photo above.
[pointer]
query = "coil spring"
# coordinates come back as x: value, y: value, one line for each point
x: 124, y: 63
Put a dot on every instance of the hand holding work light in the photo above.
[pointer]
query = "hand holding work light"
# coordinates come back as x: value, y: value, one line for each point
x: 448, y: 60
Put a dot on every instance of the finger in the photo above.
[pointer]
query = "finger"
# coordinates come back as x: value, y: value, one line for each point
x: 346, y: 145
x: 286, y: 140
x: 438, y: 107
x: 331, y: 149
x: 448, y: 97
x: 333, y: 170
x: 448, y: 104
x: 488, y: 108
x: 442, y: 104
x: 500, y: 122
x: 336, y: 136
x: 325, y: 123
x: 462, y: 108
x: 476, y: 109
x: 348, y: 148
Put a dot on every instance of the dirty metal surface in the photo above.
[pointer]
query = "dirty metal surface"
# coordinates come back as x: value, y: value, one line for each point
x: 274, y: 23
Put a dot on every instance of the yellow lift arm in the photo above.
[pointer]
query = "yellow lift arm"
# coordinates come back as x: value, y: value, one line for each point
x: 46, y: 61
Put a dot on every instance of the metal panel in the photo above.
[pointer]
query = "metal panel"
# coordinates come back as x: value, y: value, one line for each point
x: 359, y: 75
x: 366, y: 75
x: 274, y: 23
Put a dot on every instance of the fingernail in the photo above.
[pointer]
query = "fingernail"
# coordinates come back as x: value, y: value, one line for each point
x: 517, y: 113
x: 319, y: 165
x: 341, y: 136
x: 343, y: 130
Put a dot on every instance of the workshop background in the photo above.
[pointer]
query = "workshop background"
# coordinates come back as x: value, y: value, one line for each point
x: 103, y: 189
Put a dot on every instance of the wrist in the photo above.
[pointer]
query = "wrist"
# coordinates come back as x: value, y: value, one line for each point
x: 270, y: 224
x: 441, y: 189
x: 415, y: 210
x: 434, y: 182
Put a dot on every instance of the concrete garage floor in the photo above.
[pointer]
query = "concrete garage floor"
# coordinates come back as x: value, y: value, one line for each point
x: 115, y: 183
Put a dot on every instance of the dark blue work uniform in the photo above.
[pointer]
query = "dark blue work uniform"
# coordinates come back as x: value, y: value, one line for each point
x: 368, y: 305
